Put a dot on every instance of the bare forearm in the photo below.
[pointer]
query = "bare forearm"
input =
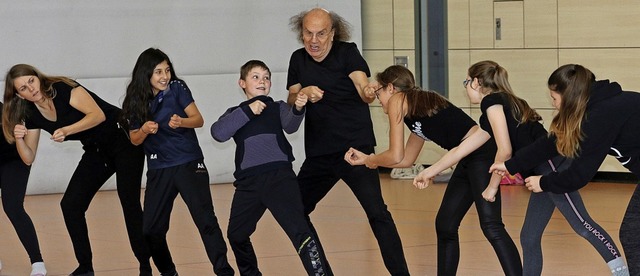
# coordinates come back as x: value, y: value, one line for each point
x: 192, y: 122
x: 87, y: 122
x: 26, y: 154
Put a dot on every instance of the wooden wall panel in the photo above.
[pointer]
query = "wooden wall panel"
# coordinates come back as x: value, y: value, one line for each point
x: 511, y: 16
x: 621, y: 65
x: 404, y: 24
x: 602, y: 35
x: 380, y: 128
x: 458, y: 24
x: 377, y: 24
x: 541, y: 24
x: 481, y: 24
x: 528, y: 71
x: 458, y: 65
x: 596, y: 23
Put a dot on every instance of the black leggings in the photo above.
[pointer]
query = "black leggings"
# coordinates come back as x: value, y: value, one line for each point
x: 96, y: 166
x: 13, y: 183
x: 465, y: 187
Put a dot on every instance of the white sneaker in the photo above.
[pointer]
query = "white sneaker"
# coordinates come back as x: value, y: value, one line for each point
x: 402, y: 173
x: 0, y: 265
x: 38, y: 269
x: 406, y: 173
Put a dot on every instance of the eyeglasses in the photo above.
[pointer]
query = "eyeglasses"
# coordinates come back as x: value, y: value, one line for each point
x: 377, y: 92
x: 321, y: 35
x: 466, y: 82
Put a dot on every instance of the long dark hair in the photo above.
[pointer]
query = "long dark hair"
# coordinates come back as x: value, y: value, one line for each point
x: 420, y: 103
x: 573, y: 83
x: 135, y: 106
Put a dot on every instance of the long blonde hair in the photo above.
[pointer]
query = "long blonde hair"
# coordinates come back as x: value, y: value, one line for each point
x: 573, y: 83
x: 14, y: 110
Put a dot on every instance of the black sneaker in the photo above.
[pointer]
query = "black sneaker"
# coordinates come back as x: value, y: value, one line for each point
x: 88, y: 273
x: 172, y: 273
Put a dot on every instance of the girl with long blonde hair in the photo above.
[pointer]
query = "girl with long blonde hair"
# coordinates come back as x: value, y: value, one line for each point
x: 594, y: 117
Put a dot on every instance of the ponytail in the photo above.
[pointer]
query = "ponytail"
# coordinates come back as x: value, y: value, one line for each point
x: 494, y: 78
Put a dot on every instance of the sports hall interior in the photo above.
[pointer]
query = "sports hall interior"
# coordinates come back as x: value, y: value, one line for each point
x: 534, y: 38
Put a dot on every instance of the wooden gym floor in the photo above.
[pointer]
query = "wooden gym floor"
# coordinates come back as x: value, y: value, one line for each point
x: 342, y: 227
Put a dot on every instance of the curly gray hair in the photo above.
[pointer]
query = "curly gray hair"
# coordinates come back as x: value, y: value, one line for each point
x: 341, y: 27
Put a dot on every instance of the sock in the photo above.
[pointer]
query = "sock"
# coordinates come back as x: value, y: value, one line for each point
x: 618, y: 267
x: 38, y: 269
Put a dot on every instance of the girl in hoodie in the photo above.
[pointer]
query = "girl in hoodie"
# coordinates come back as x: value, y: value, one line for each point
x: 513, y: 124
x: 586, y: 107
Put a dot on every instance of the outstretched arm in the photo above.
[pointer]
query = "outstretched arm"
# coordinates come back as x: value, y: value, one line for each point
x: 476, y: 139
x: 361, y: 83
x: 498, y: 122
x: 397, y: 155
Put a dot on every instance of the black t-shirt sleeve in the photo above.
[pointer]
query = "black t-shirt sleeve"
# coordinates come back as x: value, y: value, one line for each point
x: 489, y: 101
x: 294, y: 64
x: 354, y: 60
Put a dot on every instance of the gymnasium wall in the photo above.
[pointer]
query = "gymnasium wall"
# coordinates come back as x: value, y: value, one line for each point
x: 98, y: 42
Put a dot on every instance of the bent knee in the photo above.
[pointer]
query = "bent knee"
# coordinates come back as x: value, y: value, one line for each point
x: 494, y: 230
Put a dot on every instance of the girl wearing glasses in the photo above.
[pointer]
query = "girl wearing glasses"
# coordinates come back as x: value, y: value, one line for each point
x: 578, y: 95
x: 430, y: 116
x: 514, y: 125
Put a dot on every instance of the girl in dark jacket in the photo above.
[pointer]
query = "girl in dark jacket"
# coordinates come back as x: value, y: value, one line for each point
x: 595, y: 118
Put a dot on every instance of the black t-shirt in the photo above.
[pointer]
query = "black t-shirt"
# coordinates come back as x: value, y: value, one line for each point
x: 341, y: 119
x: 520, y: 135
x: 445, y: 128
x: 67, y: 115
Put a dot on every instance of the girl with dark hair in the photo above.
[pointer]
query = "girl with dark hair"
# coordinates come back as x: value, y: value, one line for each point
x: 430, y: 116
x: 513, y: 125
x: 523, y: 128
x: 595, y: 118
x: 161, y: 114
x: 69, y: 111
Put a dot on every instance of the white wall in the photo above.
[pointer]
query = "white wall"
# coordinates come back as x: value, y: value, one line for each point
x: 97, y: 43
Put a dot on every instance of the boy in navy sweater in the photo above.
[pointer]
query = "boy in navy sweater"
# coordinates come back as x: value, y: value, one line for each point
x: 264, y: 175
